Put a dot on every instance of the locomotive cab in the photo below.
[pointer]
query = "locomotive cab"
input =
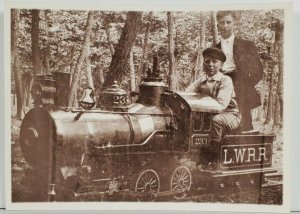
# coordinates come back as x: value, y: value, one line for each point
x: 245, y: 158
x: 193, y: 113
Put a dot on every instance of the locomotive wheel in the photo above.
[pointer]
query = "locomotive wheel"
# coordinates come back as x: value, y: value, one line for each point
x: 181, y: 180
x: 148, y: 183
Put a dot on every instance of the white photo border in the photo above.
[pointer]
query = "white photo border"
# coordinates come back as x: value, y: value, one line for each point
x: 149, y: 6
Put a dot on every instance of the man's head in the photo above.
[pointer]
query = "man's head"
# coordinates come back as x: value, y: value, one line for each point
x: 225, y: 23
x: 213, y: 61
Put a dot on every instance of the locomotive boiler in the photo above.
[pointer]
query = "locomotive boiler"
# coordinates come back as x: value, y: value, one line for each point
x: 158, y: 146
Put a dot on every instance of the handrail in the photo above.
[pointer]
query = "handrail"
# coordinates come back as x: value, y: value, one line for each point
x: 79, y: 110
x: 132, y: 145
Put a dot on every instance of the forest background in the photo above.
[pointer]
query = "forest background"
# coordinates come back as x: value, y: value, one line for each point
x: 99, y: 47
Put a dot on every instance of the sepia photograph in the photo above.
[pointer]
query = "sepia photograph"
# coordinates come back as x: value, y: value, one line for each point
x: 147, y: 106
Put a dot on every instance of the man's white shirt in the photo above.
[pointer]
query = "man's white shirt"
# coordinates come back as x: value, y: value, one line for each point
x: 227, y: 48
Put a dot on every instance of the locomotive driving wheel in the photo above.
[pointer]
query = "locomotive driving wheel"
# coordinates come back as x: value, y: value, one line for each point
x: 181, y: 180
x: 147, y: 183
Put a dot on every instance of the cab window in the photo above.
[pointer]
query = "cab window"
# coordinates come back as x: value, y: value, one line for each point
x: 197, y: 121
x: 201, y: 121
x: 206, y: 121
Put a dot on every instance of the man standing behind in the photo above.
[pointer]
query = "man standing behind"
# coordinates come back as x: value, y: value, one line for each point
x: 242, y: 65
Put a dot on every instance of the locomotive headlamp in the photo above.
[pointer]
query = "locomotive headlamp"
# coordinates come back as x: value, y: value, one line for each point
x: 87, y: 101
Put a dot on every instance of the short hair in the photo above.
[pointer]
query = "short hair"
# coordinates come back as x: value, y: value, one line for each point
x: 222, y: 13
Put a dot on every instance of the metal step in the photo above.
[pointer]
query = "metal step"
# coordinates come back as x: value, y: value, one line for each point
x: 273, y: 176
x: 243, y: 172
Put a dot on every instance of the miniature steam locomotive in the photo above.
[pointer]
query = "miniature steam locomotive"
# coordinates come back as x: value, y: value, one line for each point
x: 155, y: 147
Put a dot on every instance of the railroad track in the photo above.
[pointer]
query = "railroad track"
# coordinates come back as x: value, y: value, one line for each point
x: 269, y: 192
x: 273, y: 180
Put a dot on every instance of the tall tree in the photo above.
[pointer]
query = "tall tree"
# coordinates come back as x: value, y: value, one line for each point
x: 71, y: 66
x: 122, y: 52
x: 171, y: 49
x: 198, y: 67
x: 279, y: 99
x: 107, y: 32
x: 82, y: 57
x: 35, y: 38
x: 89, y: 75
x: 261, y: 112
x: 15, y: 19
x: 46, y: 60
x: 132, y: 72
x: 214, y: 28
x: 99, y: 71
x: 270, y: 103
x: 145, y: 44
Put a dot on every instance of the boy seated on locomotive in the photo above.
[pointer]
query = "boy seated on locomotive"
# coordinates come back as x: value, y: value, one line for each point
x: 220, y: 87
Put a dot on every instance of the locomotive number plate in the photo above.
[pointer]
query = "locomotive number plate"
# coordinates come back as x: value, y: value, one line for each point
x: 199, y: 140
x: 234, y: 156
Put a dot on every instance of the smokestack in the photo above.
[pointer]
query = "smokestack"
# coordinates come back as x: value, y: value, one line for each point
x: 152, y: 87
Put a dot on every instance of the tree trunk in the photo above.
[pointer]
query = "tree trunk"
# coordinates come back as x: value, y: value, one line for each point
x: 15, y: 19
x: 270, y: 112
x: 171, y: 48
x: 36, y: 53
x: 101, y: 77
x: 83, y: 55
x: 89, y: 75
x: 132, y: 72
x: 122, y: 52
x: 145, y: 47
x: 72, y: 69
x: 99, y: 69
x: 111, y: 46
x: 198, y: 67
x: 27, y: 85
x: 107, y: 32
x: 47, y: 49
x: 270, y: 104
x: 214, y: 28
x: 175, y: 60
x: 72, y: 52
x: 132, y: 76
x: 278, y: 101
x: 277, y: 119
x: 261, y: 114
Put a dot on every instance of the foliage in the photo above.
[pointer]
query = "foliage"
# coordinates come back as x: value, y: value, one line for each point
x: 66, y: 32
